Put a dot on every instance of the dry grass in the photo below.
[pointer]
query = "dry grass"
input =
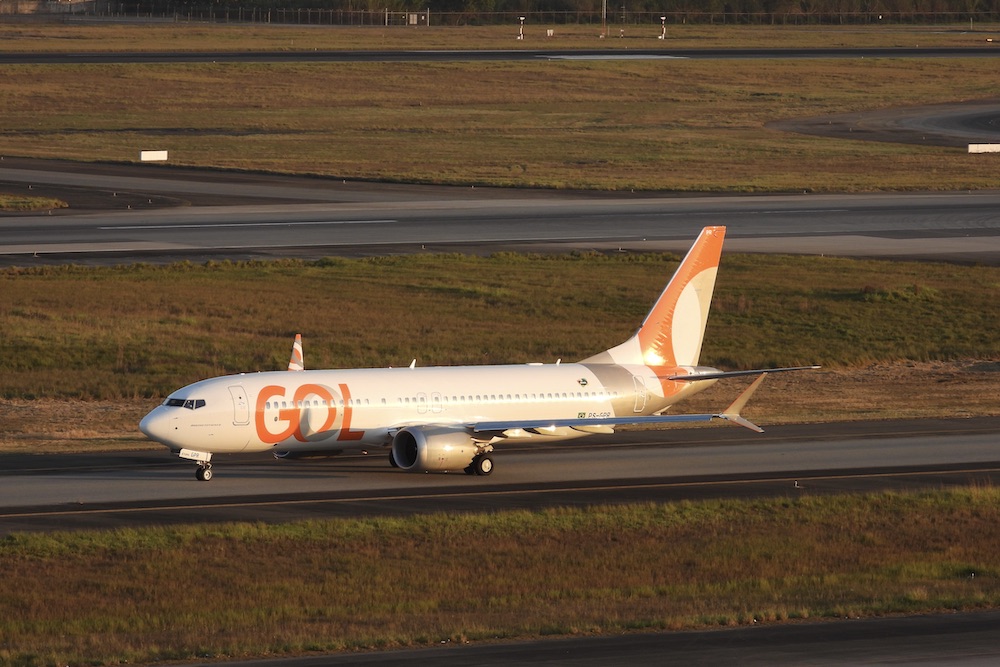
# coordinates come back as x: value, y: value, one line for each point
x: 694, y: 125
x: 141, y: 331
x: 374, y: 583
x: 19, y: 203
x: 207, y: 37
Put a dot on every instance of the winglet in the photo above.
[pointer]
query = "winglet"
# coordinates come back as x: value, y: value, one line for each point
x: 297, y: 362
x: 732, y: 413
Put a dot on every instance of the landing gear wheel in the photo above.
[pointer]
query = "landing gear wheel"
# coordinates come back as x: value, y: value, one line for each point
x: 482, y: 465
x: 203, y: 474
x: 392, y: 461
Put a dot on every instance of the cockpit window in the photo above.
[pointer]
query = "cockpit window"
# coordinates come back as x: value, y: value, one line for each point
x: 189, y: 403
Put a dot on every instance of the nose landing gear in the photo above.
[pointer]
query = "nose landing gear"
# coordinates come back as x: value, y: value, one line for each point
x: 204, y: 461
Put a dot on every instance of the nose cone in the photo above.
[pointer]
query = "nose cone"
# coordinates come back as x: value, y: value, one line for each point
x: 158, y: 425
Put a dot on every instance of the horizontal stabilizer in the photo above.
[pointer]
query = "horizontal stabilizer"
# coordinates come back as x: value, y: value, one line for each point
x: 732, y: 413
x: 696, y: 377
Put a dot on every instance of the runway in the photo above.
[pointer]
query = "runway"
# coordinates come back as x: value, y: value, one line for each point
x: 967, y: 639
x: 153, y: 487
x: 127, y: 213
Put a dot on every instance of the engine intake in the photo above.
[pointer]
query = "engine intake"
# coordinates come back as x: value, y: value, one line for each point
x: 432, y: 449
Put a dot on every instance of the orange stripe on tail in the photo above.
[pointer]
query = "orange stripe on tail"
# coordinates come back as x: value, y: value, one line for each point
x: 673, y: 331
x: 296, y: 362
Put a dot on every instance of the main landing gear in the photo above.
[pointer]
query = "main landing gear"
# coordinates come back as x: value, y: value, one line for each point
x: 481, y: 465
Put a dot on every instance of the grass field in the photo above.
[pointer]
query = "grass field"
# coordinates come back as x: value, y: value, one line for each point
x: 141, y: 331
x: 683, y: 125
x: 241, y: 590
x: 220, y: 37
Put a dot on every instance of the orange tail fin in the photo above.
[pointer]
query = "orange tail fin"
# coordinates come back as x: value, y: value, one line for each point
x: 296, y: 361
x: 673, y: 331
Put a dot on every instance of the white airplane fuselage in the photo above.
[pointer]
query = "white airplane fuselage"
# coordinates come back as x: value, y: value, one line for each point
x: 448, y: 418
x: 323, y: 410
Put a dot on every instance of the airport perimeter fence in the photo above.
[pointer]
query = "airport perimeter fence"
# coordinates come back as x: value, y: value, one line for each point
x: 218, y: 12
x: 425, y: 18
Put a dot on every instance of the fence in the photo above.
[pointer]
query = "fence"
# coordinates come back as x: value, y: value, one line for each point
x: 218, y: 12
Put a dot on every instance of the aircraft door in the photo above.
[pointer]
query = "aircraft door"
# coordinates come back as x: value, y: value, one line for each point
x: 640, y: 393
x: 241, y: 406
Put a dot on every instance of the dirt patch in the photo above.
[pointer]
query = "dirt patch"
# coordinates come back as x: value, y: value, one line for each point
x: 953, y: 125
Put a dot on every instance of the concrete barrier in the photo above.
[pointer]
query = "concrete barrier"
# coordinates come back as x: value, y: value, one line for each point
x: 984, y: 148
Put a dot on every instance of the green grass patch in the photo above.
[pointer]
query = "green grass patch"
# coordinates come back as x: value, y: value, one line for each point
x: 19, y: 203
x: 141, y: 331
x: 183, y: 593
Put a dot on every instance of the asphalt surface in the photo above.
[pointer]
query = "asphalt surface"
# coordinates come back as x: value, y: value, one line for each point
x: 108, y: 490
x: 955, y: 124
x: 990, y: 50
x: 965, y: 639
x: 128, y: 213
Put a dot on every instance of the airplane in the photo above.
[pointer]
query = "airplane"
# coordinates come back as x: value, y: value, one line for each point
x: 448, y: 418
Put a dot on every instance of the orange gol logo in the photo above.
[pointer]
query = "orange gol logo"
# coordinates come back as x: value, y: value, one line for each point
x: 296, y: 415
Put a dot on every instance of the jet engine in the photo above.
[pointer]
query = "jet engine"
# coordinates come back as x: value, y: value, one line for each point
x: 432, y: 449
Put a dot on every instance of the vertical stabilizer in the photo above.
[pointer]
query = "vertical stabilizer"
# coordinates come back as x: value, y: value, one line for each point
x: 296, y: 362
x: 673, y: 331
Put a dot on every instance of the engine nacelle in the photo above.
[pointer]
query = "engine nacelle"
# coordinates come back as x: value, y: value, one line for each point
x: 432, y: 449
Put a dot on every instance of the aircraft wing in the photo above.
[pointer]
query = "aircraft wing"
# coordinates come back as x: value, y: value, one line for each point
x: 731, y: 414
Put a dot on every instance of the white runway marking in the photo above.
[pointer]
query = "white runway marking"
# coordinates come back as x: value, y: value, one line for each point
x: 225, y: 225
x: 616, y: 56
